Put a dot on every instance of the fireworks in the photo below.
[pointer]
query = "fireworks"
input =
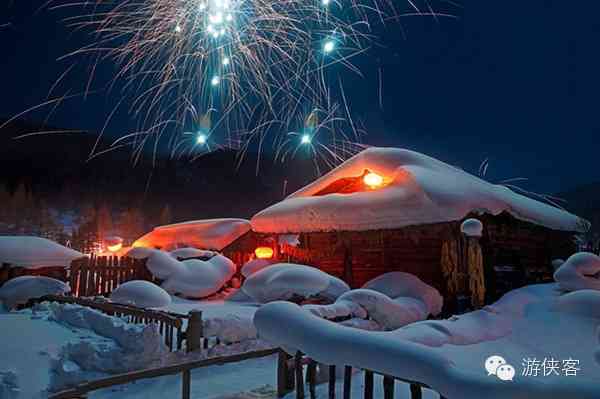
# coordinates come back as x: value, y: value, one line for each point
x: 258, y: 64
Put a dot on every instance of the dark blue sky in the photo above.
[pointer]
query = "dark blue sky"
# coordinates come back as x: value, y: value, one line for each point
x: 516, y: 81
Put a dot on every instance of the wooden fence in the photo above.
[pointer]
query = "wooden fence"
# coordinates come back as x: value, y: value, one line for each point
x: 291, y: 375
x: 81, y: 391
x: 101, y: 275
x: 170, y: 325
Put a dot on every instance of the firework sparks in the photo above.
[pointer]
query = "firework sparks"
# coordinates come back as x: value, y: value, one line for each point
x: 259, y: 62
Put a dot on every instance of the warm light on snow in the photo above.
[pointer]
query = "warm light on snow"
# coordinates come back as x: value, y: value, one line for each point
x: 263, y: 252
x: 373, y: 180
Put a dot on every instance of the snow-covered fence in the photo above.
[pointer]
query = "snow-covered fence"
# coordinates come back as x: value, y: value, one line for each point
x: 170, y: 325
x: 101, y: 275
x: 291, y: 376
x: 82, y: 390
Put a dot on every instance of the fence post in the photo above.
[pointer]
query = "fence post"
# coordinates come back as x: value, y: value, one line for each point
x: 415, y: 391
x: 347, y: 382
x: 299, y: 376
x: 284, y: 381
x: 311, y: 374
x: 332, y: 381
x: 368, y: 384
x: 388, y: 387
x: 194, y: 330
x: 186, y: 385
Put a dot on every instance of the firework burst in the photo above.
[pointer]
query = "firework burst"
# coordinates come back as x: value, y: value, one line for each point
x: 256, y: 67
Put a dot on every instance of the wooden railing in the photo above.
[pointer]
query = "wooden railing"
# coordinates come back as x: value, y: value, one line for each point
x: 290, y: 376
x: 101, y: 275
x: 170, y: 325
x: 81, y: 391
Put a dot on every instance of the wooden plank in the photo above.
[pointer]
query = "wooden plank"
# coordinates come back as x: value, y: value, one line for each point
x: 347, y: 382
x: 415, y: 391
x: 186, y: 385
x: 368, y: 384
x: 388, y: 387
x: 332, y: 382
x: 283, y: 383
x: 299, y: 376
x: 158, y: 372
x: 311, y: 374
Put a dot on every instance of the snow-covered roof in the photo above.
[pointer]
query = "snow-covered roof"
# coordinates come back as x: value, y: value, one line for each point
x: 416, y: 189
x: 214, y: 234
x: 35, y: 252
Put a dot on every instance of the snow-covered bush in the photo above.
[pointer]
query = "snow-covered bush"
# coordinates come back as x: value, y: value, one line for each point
x: 388, y: 313
x: 284, y: 281
x: 255, y: 265
x: 19, y: 290
x: 581, y: 271
x: 195, y: 278
x: 400, y: 284
x: 472, y: 228
x: 141, y: 293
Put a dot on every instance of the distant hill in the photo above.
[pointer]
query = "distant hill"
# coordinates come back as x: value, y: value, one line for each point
x: 584, y: 201
x: 54, y: 167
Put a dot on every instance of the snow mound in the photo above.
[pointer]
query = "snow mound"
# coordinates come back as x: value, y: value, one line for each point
x: 255, y: 265
x: 141, y: 293
x: 126, y: 347
x: 388, y: 313
x: 188, y: 253
x: 581, y: 271
x: 19, y: 290
x: 230, y: 328
x: 162, y: 265
x: 449, y: 355
x: 400, y: 284
x: 284, y: 281
x: 35, y: 252
x: 195, y: 278
x: 213, y: 234
x: 417, y: 190
x: 472, y: 228
x: 583, y: 302
x: 140, y: 252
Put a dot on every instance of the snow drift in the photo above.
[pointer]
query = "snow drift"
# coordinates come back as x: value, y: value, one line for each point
x: 19, y: 290
x: 418, y: 190
x: 143, y: 294
x: 35, y: 252
x: 254, y: 265
x: 581, y: 271
x: 400, y: 284
x: 284, y: 281
x: 212, y: 234
x: 449, y: 355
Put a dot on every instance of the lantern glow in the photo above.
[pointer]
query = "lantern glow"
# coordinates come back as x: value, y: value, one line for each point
x: 114, y: 248
x: 264, y: 252
x: 373, y: 180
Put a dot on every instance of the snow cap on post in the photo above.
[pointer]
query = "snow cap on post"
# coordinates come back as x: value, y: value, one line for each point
x: 472, y: 228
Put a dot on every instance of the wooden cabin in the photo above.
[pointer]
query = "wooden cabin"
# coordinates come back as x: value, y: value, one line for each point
x: 389, y: 209
x: 34, y: 256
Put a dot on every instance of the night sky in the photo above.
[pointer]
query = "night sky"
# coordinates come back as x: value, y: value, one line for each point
x: 515, y: 81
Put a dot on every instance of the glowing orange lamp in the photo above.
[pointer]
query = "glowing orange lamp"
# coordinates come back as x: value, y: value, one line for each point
x: 115, y: 248
x: 373, y: 180
x: 264, y: 252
